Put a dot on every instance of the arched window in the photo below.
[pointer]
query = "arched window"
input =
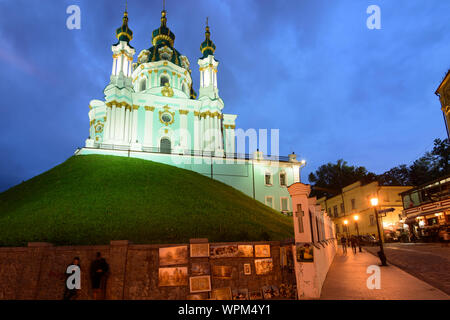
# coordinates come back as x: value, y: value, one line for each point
x: 163, y: 81
x: 142, y: 84
x: 165, y: 145
x: 183, y: 87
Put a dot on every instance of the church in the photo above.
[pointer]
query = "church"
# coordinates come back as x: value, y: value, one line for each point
x: 151, y: 111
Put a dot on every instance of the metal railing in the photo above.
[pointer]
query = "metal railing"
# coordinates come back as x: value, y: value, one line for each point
x: 190, y: 152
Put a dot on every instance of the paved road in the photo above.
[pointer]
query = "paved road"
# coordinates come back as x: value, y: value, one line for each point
x: 426, y: 261
x: 347, y: 280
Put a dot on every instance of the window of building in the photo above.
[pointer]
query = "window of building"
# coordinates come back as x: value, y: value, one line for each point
x: 268, y: 179
x: 372, y: 219
x: 269, y: 201
x: 142, y: 85
x: 284, y: 204
x: 353, y: 204
x: 342, y: 208
x: 163, y: 81
x: 337, y: 228
x: 283, y: 179
x: 335, y: 211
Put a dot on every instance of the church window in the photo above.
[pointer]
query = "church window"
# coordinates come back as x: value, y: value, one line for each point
x: 163, y: 81
x: 142, y: 85
x: 283, y: 179
x: 183, y: 87
x: 166, y: 118
x: 268, y: 179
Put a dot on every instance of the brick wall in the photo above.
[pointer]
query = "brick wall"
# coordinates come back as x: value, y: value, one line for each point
x: 38, y: 271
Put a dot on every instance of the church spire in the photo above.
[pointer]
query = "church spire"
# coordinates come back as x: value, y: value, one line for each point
x: 124, y: 33
x: 207, y: 47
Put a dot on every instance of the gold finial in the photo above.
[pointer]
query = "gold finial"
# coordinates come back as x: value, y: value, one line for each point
x: 163, y: 14
x: 207, y: 33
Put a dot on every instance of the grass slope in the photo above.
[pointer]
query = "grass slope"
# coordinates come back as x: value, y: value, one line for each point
x: 94, y: 199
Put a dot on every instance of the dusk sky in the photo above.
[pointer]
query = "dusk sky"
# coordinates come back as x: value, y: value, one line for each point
x: 310, y: 68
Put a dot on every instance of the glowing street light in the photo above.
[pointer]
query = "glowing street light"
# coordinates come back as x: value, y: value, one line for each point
x: 356, y: 218
x: 374, y: 203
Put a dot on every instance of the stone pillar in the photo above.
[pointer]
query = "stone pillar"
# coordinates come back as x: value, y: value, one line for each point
x: 118, y: 251
x: 184, y: 129
x: 197, y: 131
x: 148, y: 129
x: 107, y: 124
x: 135, y: 145
x: 126, y: 136
x: 112, y: 135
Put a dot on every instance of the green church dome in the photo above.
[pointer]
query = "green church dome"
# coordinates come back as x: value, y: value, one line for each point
x: 124, y: 33
x: 163, y: 35
x: 207, y: 47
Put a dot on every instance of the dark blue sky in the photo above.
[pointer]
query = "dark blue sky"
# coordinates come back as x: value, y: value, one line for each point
x: 311, y: 68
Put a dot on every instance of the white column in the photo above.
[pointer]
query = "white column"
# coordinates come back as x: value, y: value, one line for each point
x: 121, y: 123
x: 112, y: 129
x: 148, y: 129
x: 183, y: 131
x: 126, y: 136
x: 196, y: 132
x: 114, y: 66
x: 107, y: 124
x: 134, y: 125
x: 219, y: 133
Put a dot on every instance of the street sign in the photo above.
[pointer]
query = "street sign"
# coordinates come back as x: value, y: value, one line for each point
x: 386, y: 210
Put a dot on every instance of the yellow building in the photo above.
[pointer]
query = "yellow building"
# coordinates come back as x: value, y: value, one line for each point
x: 443, y: 92
x: 354, y: 203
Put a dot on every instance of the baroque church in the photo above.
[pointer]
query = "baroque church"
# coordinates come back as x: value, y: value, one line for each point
x: 151, y: 111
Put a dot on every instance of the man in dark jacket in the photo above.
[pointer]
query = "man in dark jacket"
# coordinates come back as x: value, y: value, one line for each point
x: 99, y: 270
x: 71, y: 293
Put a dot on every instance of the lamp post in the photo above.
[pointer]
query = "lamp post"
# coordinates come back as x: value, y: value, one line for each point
x: 374, y: 202
x: 356, y: 217
x: 346, y: 227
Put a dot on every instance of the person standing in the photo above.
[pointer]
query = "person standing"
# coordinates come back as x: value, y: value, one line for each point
x: 71, y: 293
x: 344, y: 244
x: 353, y: 243
x: 99, y: 270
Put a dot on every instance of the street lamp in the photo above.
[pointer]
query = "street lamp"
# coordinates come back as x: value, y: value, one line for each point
x: 374, y: 202
x: 356, y: 218
x: 346, y: 227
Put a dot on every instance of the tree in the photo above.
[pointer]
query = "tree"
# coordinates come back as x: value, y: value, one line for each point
x: 397, y: 176
x: 330, y: 178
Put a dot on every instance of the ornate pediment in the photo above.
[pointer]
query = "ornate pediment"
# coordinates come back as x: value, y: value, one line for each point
x: 165, y: 53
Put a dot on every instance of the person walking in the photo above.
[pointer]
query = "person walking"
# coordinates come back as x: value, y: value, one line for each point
x: 70, y: 294
x: 344, y: 244
x: 99, y: 270
x: 353, y: 244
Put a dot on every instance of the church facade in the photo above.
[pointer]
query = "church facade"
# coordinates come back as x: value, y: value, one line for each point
x: 151, y: 111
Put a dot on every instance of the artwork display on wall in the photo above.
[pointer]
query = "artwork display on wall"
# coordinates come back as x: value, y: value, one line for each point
x: 200, y: 268
x: 288, y: 291
x: 199, y: 250
x: 229, y: 251
x: 240, y: 294
x: 270, y: 292
x: 256, y: 295
x: 173, y: 255
x: 171, y: 277
x: 247, y: 269
x: 222, y: 272
x: 305, y: 252
x: 200, y: 284
x: 262, y: 251
x: 263, y: 266
x: 197, y: 296
x: 245, y: 251
x: 221, y: 294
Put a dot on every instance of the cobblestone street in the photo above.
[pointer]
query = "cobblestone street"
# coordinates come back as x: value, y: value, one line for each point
x: 429, y: 262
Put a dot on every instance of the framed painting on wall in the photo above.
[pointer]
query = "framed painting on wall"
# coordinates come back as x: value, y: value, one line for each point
x: 200, y: 284
x: 262, y: 251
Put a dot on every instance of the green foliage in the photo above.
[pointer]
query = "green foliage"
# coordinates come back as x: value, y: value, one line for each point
x: 330, y: 178
x: 94, y: 199
x: 432, y: 165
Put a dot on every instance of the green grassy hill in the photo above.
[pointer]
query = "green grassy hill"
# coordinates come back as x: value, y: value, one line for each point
x: 94, y: 199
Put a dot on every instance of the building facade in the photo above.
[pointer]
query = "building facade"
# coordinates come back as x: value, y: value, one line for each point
x: 427, y: 208
x: 443, y: 92
x: 352, y: 211
x: 151, y: 111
